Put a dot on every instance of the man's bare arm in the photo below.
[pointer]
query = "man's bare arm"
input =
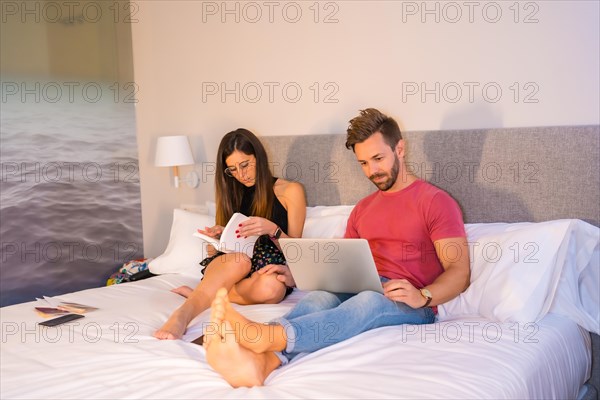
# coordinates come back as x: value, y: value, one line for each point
x: 453, y: 254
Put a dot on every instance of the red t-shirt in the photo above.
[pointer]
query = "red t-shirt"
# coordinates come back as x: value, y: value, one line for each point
x: 401, y: 228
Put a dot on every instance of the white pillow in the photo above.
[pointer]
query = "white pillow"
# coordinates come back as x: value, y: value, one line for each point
x: 578, y: 294
x: 184, y: 251
x: 515, y: 269
x: 320, y: 211
x: 326, y: 221
x: 211, y: 206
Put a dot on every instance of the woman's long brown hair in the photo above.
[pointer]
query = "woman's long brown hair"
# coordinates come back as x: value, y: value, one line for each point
x: 229, y: 191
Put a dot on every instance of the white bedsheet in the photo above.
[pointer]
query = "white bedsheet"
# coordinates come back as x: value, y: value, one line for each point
x: 111, y: 354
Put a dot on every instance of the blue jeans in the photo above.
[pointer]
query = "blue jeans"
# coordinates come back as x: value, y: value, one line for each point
x: 321, y: 319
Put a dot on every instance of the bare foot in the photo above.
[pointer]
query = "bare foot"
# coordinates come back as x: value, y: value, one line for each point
x: 254, y: 336
x: 173, y: 329
x: 184, y: 291
x: 238, y: 365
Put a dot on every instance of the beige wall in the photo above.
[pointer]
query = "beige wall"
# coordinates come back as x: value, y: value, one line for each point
x: 24, y: 46
x: 83, y: 39
x: 542, y: 56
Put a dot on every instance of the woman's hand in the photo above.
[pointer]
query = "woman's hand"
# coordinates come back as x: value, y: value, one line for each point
x: 212, y: 231
x: 283, y: 273
x: 256, y: 226
x: 210, y: 250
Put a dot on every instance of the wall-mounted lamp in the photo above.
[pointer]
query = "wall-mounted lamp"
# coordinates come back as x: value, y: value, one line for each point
x: 173, y: 151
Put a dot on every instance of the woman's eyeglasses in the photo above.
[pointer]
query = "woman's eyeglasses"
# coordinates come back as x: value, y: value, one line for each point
x: 240, y: 169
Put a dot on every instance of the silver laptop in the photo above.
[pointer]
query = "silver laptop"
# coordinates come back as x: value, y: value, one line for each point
x: 334, y: 265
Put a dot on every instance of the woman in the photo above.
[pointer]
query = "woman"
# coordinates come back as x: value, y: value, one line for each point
x: 245, y: 184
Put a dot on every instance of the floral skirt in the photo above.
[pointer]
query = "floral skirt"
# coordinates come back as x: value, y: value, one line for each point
x: 265, y: 252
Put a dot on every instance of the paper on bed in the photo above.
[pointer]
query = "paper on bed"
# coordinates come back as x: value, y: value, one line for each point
x: 48, y: 312
x: 55, y: 305
x: 48, y: 301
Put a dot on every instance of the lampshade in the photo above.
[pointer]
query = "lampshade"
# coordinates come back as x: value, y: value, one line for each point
x: 172, y: 151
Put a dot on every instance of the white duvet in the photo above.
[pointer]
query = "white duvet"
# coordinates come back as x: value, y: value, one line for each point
x: 111, y: 354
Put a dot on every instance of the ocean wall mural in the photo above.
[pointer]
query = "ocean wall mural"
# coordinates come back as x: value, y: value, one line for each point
x: 69, y: 187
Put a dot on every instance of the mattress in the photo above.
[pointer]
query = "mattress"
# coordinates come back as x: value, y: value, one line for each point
x: 111, y: 354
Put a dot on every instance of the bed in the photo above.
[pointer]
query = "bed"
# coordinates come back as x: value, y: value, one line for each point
x: 522, y: 330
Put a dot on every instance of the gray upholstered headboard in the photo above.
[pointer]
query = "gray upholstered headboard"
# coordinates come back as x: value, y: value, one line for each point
x: 496, y: 175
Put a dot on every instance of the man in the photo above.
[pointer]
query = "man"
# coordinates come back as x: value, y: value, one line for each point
x: 418, y: 241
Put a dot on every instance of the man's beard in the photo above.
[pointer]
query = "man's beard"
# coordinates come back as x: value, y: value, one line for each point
x: 392, y: 177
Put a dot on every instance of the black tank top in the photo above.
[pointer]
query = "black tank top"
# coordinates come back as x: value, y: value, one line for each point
x: 279, y: 215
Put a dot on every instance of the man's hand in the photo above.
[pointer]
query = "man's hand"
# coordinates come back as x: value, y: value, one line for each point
x: 403, y: 291
x: 283, y: 273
